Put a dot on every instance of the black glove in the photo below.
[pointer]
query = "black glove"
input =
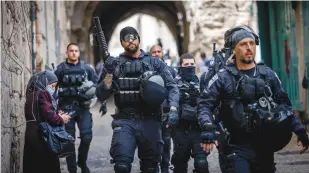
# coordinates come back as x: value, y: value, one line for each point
x: 209, y: 134
x: 110, y: 64
x: 183, y: 96
x: 103, y: 108
x: 303, y: 138
x: 172, y: 117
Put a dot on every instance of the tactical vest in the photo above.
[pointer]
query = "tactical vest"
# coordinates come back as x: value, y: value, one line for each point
x: 71, y: 80
x: 188, y: 105
x: 128, y: 94
x: 251, y: 109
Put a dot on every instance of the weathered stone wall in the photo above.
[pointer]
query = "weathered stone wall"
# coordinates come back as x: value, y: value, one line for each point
x: 210, y: 19
x: 15, y: 73
x: 52, y: 36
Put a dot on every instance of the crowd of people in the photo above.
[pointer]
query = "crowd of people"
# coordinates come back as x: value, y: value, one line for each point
x: 238, y: 106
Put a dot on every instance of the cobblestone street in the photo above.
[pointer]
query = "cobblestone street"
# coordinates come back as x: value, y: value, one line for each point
x: 288, y: 160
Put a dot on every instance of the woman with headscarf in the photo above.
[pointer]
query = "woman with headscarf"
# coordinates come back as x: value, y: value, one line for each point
x: 41, y: 106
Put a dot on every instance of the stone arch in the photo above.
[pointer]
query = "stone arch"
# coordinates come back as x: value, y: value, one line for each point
x: 111, y: 13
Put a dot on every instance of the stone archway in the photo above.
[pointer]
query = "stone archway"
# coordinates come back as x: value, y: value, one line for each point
x: 111, y: 13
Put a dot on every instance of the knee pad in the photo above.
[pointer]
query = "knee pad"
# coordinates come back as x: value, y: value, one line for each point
x: 122, y: 168
x: 86, y: 139
x: 201, y: 166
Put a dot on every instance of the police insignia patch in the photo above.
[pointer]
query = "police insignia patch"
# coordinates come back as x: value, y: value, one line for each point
x: 263, y: 102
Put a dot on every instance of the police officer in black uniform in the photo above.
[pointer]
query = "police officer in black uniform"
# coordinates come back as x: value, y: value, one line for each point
x: 255, y: 109
x: 137, y: 121
x: 186, y: 136
x: 76, y: 88
x: 156, y: 51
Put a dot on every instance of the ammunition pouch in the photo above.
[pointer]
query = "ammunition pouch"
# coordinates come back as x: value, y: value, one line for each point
x: 240, y: 119
x: 251, y: 89
x: 188, y: 112
x: 188, y: 126
x: 128, y: 94
x: 71, y: 80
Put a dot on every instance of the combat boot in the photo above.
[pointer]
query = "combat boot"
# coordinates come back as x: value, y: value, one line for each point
x: 165, y: 169
x: 83, y: 167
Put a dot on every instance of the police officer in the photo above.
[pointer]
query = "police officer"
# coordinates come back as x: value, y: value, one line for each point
x: 99, y: 69
x: 255, y: 109
x: 186, y: 137
x: 137, y: 122
x: 156, y: 51
x: 75, y: 90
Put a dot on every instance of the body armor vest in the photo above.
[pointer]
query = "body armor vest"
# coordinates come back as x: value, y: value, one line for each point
x: 252, y: 112
x: 71, y: 80
x: 188, y: 104
x: 128, y: 94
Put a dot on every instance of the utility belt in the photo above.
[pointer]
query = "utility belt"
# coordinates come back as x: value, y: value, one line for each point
x: 77, y: 103
x: 188, y: 126
x: 136, y: 114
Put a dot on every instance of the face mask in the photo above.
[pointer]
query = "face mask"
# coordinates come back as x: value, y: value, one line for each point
x: 187, y: 72
x: 50, y: 90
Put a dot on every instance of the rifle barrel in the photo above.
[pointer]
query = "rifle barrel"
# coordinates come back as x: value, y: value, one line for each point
x: 100, y: 34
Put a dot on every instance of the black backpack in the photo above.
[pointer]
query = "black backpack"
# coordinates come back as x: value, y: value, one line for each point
x: 219, y: 62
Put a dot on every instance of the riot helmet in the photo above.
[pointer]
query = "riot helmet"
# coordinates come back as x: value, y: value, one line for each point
x: 152, y: 88
x: 87, y: 90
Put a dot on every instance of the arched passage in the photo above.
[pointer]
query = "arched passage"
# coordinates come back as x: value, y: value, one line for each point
x: 111, y: 13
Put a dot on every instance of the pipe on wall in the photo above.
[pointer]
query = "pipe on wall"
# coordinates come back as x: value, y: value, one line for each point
x: 33, y: 30
x: 39, y: 58
x: 46, y: 33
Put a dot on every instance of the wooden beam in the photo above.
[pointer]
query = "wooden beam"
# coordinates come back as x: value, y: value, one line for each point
x: 300, y: 53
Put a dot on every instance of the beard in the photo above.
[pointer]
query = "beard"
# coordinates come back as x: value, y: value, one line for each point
x: 246, y: 61
x: 131, y: 50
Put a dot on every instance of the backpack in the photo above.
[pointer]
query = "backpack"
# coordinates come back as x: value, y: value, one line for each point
x: 219, y: 62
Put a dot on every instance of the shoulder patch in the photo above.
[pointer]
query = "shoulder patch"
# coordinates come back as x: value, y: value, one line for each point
x: 222, y: 70
x: 212, y: 80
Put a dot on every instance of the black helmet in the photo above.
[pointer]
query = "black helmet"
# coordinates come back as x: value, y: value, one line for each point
x: 87, y: 90
x: 152, y: 89
x: 277, y: 129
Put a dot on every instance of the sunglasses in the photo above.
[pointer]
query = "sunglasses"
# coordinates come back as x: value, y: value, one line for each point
x: 129, y: 37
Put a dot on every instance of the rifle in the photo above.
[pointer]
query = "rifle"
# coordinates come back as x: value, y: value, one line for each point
x: 100, y: 38
x: 218, y: 55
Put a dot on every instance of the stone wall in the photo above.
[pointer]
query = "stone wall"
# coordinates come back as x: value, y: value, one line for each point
x: 210, y: 19
x: 52, y: 36
x: 16, y: 69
